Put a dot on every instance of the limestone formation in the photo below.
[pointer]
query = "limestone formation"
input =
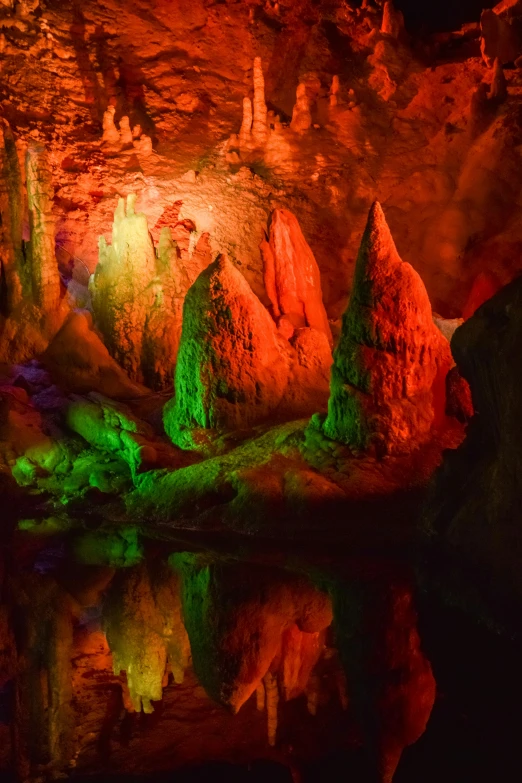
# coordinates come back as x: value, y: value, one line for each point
x: 226, y: 605
x: 254, y: 129
x: 126, y: 138
x: 245, y: 132
x: 111, y: 134
x: 138, y: 294
x: 498, y: 90
x: 11, y: 222
x: 145, y: 631
x: 122, y: 291
x: 259, y: 123
x: 392, y: 20
x: 233, y: 367
x: 334, y: 91
x: 301, y: 115
x: 45, y: 278
x: 498, y: 39
x: 292, y: 277
x: 387, y: 387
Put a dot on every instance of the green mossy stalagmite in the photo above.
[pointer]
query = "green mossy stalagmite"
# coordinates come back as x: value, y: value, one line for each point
x: 233, y: 367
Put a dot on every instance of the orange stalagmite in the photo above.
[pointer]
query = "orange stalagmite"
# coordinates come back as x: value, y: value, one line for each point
x: 292, y: 277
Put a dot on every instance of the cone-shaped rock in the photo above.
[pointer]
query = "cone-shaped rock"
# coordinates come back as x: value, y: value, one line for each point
x: 387, y: 384
x: 233, y: 367
x: 292, y: 277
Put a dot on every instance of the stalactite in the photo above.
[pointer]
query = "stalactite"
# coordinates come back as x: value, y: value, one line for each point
x: 45, y: 277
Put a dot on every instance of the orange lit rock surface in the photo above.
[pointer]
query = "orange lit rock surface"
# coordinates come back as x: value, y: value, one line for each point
x: 292, y: 277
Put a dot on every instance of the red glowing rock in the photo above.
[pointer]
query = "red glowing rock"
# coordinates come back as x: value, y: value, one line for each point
x: 391, y: 360
x: 292, y: 277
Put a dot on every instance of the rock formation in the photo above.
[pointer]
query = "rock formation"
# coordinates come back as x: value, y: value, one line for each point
x: 306, y: 96
x: 498, y: 39
x: 11, y: 222
x: 498, y: 90
x: 45, y: 277
x: 301, y: 114
x: 259, y: 123
x: 285, y: 615
x: 111, y: 134
x: 292, y: 277
x: 387, y: 386
x: 145, y: 632
x: 126, y: 137
x: 233, y: 367
x: 392, y: 20
x: 138, y: 295
x: 122, y: 291
x: 475, y: 502
x: 254, y: 130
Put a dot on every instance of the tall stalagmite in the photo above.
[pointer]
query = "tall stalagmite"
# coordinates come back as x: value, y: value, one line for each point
x: 122, y: 287
x: 45, y: 277
x: 387, y: 385
x: 11, y: 222
x: 292, y: 277
x: 233, y: 367
x: 138, y: 295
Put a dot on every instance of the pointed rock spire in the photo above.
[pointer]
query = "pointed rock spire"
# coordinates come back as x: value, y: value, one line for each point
x: 233, y: 367
x: 292, y: 276
x: 498, y: 90
x: 390, y: 364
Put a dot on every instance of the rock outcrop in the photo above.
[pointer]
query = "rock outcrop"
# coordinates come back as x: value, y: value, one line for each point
x: 292, y: 277
x: 387, y: 387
